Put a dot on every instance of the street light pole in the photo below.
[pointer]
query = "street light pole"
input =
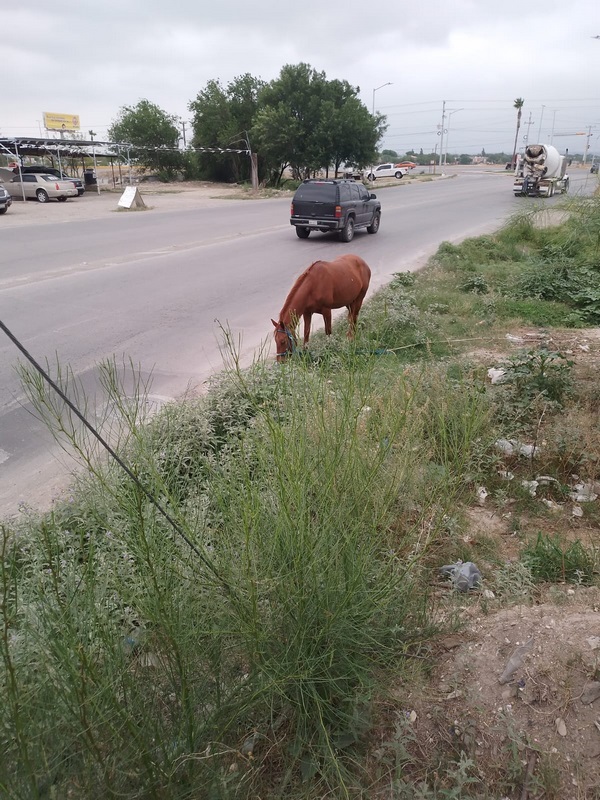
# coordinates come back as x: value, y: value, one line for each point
x: 441, y: 133
x: 454, y: 111
x: 91, y: 135
x: 377, y: 88
x: 389, y: 83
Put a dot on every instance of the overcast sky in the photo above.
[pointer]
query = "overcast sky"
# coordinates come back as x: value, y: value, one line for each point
x: 91, y: 58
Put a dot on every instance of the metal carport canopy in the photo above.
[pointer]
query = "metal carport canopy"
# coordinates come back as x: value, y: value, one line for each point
x: 26, y: 146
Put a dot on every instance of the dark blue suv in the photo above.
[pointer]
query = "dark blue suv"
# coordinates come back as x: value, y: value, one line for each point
x: 334, y: 205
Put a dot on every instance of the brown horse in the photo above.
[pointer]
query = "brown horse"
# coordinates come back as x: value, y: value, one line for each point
x: 321, y: 287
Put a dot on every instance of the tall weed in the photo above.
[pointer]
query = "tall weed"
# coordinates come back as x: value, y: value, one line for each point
x: 134, y: 664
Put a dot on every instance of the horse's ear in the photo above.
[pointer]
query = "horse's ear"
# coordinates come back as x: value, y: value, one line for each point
x: 276, y: 324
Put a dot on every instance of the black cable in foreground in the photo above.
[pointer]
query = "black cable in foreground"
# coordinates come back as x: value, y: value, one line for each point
x: 176, y: 527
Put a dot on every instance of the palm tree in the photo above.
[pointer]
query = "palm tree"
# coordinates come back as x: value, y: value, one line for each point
x: 518, y: 104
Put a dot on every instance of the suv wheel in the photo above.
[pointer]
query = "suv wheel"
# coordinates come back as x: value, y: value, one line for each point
x: 302, y: 233
x: 42, y: 195
x: 347, y: 232
x: 374, y: 226
x: 372, y: 177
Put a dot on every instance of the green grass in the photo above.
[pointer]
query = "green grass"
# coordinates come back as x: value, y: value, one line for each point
x: 548, y: 559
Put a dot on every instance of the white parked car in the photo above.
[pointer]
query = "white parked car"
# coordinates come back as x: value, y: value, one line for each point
x: 383, y: 171
x: 350, y: 172
x: 41, y: 187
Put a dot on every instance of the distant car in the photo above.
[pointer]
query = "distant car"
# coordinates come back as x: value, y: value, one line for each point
x: 5, y: 199
x: 383, y: 171
x: 350, y: 172
x: 406, y: 165
x: 42, y: 187
x: 35, y: 169
x: 594, y: 169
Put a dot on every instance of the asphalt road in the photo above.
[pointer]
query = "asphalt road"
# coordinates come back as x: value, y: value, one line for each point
x: 155, y: 288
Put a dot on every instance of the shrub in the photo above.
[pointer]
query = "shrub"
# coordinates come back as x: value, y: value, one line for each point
x: 551, y: 560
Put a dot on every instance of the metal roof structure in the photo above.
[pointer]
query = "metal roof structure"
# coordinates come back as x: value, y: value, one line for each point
x: 71, y: 148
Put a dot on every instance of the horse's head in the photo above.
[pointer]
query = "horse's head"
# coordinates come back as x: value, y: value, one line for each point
x: 285, y: 340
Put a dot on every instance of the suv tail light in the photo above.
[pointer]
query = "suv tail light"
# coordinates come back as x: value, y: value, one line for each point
x: 338, y: 212
x: 292, y: 211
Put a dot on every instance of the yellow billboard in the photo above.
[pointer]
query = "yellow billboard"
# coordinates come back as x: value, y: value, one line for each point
x: 61, y: 122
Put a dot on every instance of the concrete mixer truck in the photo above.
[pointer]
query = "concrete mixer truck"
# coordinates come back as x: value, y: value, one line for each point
x: 541, y: 171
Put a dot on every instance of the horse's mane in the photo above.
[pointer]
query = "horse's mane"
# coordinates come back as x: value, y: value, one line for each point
x: 297, y: 284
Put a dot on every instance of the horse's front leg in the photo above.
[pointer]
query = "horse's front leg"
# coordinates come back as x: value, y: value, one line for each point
x: 307, y: 319
x: 327, y: 320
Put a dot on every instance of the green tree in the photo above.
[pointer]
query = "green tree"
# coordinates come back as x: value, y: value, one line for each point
x: 389, y: 155
x: 518, y: 104
x: 287, y: 120
x: 308, y: 123
x: 153, y: 135
x: 349, y: 132
x: 222, y: 118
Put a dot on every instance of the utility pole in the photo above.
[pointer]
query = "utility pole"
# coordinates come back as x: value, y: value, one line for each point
x: 529, y: 124
x: 183, y: 129
x: 540, y: 128
x: 587, y: 142
x: 553, y: 121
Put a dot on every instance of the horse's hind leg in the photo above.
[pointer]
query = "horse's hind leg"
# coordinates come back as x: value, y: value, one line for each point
x: 353, y: 310
x: 327, y: 320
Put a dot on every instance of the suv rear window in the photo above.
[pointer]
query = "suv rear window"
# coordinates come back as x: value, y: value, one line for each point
x: 322, y: 192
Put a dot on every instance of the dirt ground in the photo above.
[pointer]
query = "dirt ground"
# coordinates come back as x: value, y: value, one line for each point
x: 535, y: 733
x: 91, y: 205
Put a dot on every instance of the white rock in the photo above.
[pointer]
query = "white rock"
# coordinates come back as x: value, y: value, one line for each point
x: 584, y: 493
x: 577, y: 511
x: 546, y: 479
x: 594, y: 642
x: 482, y: 493
x: 561, y: 728
x: 552, y: 506
x: 496, y: 375
x: 512, y: 338
x: 506, y: 474
x: 488, y: 594
x: 505, y: 446
x: 531, y: 487
x: 525, y: 449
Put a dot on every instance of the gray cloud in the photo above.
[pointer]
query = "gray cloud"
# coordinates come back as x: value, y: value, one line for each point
x: 92, y: 58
